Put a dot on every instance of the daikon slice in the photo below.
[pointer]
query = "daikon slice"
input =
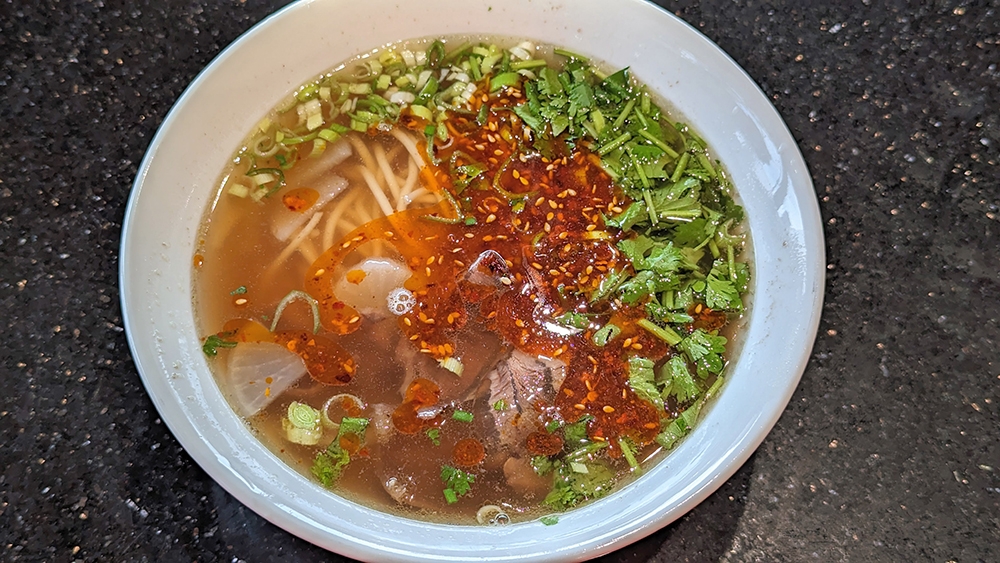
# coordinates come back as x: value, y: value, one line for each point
x: 259, y: 372
x: 367, y: 285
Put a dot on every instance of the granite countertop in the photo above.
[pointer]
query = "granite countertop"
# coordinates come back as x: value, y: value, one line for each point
x: 888, y: 451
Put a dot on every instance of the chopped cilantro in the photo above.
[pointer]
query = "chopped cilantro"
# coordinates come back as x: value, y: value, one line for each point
x: 705, y: 350
x: 572, y: 486
x: 330, y: 463
x: 677, y: 381
x: 500, y: 405
x: 213, y: 343
x: 550, y: 520
x: 462, y: 416
x: 642, y: 381
x: 434, y: 434
x: 457, y: 483
x: 542, y: 464
x: 239, y: 290
x: 352, y: 425
x: 576, y: 434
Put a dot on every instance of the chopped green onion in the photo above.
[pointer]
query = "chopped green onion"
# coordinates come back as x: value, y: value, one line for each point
x: 292, y: 296
x: 453, y: 365
x: 302, y: 424
x: 462, y: 416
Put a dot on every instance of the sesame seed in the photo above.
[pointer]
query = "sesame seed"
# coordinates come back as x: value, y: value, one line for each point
x: 553, y: 204
x: 627, y: 343
x: 548, y: 228
x: 515, y: 174
x: 637, y: 346
x: 579, y: 407
x: 241, y: 301
x: 320, y: 272
x: 488, y: 238
x: 407, y: 321
x: 354, y: 319
x: 490, y: 218
x: 505, y: 280
x: 563, y: 234
x: 550, y: 216
x: 427, y: 271
x: 469, y: 235
x: 430, y: 260
x: 608, y: 409
x: 540, y: 200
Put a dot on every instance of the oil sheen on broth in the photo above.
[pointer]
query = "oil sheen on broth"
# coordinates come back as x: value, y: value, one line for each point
x: 471, y: 280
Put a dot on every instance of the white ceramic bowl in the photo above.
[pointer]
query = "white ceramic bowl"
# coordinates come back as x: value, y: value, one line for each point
x: 178, y: 177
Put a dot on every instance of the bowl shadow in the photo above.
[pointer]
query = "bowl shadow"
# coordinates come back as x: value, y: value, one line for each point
x: 704, y: 534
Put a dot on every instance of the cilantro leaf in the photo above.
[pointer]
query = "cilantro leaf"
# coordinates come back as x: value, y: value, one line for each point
x: 705, y: 351
x: 434, y: 435
x: 700, y: 343
x: 352, y: 425
x: 721, y: 293
x: 572, y: 486
x: 678, y: 380
x: 550, y: 520
x: 330, y: 463
x: 576, y: 434
x: 456, y: 481
x: 213, y: 343
x: 642, y: 381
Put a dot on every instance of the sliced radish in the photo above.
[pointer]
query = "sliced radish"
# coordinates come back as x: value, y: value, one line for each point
x: 258, y: 372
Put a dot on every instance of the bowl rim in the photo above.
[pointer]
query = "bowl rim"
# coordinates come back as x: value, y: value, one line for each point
x: 358, y: 531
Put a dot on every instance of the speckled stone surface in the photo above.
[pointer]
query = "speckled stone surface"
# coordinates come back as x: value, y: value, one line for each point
x: 889, y: 449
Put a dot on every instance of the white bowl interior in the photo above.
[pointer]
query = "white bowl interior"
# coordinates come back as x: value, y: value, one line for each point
x: 177, y: 180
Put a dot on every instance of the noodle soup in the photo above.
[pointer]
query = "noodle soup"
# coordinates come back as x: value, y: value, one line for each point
x: 471, y: 281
